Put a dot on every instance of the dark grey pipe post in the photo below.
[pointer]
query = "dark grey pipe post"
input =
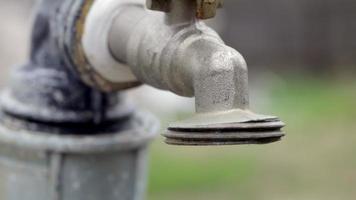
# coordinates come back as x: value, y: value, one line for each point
x: 61, y: 139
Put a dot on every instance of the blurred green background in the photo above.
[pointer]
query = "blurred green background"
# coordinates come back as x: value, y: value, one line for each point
x: 316, y: 159
x: 311, y: 87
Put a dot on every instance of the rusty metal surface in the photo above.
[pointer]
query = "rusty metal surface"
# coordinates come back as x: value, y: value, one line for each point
x: 48, y: 88
x: 204, y: 9
x: 70, y: 21
x: 207, y: 8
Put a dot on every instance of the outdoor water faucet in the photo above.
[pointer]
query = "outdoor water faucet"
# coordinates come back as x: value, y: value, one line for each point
x: 66, y: 128
x: 119, y: 44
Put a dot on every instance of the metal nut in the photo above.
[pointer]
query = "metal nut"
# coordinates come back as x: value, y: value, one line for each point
x: 205, y: 9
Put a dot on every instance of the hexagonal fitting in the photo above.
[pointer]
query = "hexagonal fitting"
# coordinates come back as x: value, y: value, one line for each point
x: 205, y: 9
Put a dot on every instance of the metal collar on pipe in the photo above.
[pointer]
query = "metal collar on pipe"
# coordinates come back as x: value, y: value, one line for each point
x: 142, y: 130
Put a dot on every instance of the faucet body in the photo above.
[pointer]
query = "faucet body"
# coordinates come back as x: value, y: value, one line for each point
x: 181, y: 54
x: 174, y: 51
x: 94, y: 49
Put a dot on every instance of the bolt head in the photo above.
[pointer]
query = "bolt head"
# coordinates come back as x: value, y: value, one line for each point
x: 205, y: 9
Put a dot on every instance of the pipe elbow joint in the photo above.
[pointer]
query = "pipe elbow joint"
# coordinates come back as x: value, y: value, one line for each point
x: 218, y: 75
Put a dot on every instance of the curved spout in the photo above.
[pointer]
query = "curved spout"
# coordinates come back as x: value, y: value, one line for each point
x: 220, y: 77
x: 189, y: 59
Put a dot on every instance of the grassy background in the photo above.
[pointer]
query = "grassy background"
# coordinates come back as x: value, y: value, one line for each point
x: 316, y: 160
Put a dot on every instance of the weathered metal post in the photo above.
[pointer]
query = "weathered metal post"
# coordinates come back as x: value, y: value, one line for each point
x: 61, y: 139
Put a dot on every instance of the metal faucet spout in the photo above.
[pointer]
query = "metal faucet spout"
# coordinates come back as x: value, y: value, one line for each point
x: 125, y: 42
x: 220, y: 77
x: 188, y: 59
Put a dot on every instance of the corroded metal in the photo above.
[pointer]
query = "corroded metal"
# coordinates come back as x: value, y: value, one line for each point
x: 207, y: 8
x: 70, y: 20
x: 62, y: 138
x: 47, y: 87
x: 204, y: 9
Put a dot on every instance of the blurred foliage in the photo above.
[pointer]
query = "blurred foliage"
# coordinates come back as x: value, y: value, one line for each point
x: 314, y: 161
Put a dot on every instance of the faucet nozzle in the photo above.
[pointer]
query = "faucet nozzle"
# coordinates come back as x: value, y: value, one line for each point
x: 219, y: 79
